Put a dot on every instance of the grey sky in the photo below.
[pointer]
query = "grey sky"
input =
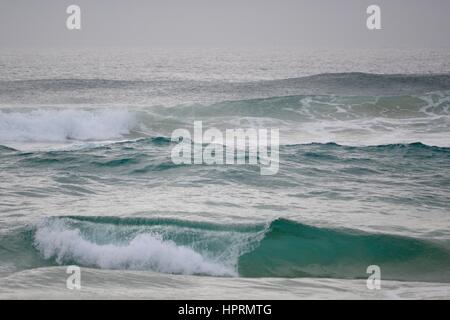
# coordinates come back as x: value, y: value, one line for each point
x: 231, y: 23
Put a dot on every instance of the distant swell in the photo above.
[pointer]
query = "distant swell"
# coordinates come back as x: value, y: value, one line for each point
x: 181, y: 92
x: 282, y: 248
x: 354, y: 83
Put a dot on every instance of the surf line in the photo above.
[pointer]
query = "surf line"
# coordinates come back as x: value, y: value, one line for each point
x: 235, y: 147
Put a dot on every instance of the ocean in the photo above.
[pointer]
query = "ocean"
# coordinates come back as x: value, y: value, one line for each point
x: 87, y: 177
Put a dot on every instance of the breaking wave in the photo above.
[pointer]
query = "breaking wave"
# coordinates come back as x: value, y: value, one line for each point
x: 301, y: 119
x: 282, y: 248
x: 62, y: 125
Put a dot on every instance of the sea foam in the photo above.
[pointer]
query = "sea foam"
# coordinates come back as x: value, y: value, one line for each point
x: 146, y: 251
x: 51, y: 125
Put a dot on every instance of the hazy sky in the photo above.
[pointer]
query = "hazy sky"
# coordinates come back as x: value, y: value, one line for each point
x: 225, y: 23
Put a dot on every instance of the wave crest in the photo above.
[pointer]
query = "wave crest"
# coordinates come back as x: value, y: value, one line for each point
x: 145, y: 251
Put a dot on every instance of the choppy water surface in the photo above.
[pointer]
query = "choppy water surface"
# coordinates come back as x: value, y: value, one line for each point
x: 87, y: 177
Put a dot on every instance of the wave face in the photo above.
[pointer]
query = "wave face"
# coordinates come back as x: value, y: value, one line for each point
x: 282, y: 248
x: 291, y: 249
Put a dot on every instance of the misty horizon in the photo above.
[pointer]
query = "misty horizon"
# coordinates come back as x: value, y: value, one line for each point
x: 233, y: 24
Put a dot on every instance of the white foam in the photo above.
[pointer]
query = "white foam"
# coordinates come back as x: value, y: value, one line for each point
x: 56, y: 125
x: 54, y: 239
